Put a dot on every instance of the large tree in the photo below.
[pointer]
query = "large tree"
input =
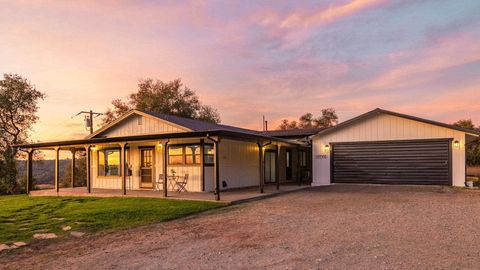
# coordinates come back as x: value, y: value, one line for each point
x: 18, y: 108
x: 327, y: 119
x: 473, y: 148
x: 163, y: 97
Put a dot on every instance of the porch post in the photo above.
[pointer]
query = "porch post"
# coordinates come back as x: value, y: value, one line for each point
x: 165, y: 171
x: 122, y: 166
x: 260, y: 166
x: 88, y: 158
x: 57, y: 169
x: 216, y: 145
x: 277, y: 167
x: 29, y: 171
x: 299, y: 167
x: 202, y: 164
x: 73, y: 167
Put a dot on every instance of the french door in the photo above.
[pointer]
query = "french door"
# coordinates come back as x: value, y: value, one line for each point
x: 270, y: 161
x: 146, y: 167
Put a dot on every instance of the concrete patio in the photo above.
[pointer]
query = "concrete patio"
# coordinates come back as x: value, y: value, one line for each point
x: 233, y: 196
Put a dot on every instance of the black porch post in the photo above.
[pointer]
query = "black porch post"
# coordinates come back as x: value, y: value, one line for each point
x: 260, y: 166
x: 29, y: 171
x: 216, y: 145
x: 122, y: 165
x: 165, y: 172
x: 73, y: 167
x: 57, y: 169
x: 277, y: 167
x: 88, y: 158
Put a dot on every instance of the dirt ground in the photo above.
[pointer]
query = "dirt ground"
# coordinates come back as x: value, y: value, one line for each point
x: 337, y: 227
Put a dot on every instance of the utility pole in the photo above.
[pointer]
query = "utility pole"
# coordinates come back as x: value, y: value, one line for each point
x: 89, y: 118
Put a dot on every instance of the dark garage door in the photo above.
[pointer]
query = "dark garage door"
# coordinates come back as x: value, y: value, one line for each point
x: 425, y: 162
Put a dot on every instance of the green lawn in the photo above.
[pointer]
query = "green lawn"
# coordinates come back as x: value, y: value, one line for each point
x: 22, y: 216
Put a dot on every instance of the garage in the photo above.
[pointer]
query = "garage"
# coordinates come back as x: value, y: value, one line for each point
x: 385, y: 147
x: 425, y: 162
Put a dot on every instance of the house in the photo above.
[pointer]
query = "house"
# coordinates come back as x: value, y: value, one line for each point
x: 384, y: 147
x: 144, y: 150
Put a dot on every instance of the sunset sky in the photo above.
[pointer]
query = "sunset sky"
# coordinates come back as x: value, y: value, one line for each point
x: 248, y: 58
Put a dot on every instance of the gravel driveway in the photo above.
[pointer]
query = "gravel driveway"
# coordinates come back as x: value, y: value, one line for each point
x: 359, y: 227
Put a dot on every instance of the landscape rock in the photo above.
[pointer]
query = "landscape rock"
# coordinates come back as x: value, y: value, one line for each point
x: 77, y: 234
x: 4, y: 247
x: 18, y: 244
x: 58, y: 218
x: 44, y: 236
x: 65, y: 228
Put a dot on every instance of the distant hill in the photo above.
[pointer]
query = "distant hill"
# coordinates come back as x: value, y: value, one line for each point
x: 43, y: 170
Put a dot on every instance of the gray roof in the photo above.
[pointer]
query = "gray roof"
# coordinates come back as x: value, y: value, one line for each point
x: 294, y: 132
x: 199, y: 125
x: 406, y: 116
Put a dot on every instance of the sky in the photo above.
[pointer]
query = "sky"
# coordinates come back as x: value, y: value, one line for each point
x: 276, y: 58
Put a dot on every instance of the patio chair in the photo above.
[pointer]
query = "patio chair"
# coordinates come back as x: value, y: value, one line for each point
x: 159, y: 182
x: 182, y: 183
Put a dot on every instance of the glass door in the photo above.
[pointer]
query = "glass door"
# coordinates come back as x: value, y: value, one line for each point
x: 146, y: 167
x: 288, y: 160
x: 270, y: 166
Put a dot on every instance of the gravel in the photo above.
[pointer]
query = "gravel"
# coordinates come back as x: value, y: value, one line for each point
x: 336, y: 227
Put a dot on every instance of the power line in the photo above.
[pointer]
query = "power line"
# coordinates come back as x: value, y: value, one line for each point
x: 88, y: 118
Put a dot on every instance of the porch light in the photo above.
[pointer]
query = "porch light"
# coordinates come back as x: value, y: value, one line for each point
x: 94, y: 148
x: 327, y: 148
x: 160, y: 145
x: 456, y: 144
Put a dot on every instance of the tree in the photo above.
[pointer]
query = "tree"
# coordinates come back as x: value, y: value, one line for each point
x: 18, y: 108
x: 473, y: 148
x: 163, y: 97
x: 327, y: 119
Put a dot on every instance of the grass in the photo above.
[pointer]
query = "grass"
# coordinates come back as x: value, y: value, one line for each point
x: 22, y: 216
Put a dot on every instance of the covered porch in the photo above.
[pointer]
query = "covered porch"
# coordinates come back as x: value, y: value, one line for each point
x: 216, y: 168
x: 232, y: 196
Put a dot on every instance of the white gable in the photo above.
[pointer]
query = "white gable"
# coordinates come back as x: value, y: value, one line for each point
x: 136, y: 124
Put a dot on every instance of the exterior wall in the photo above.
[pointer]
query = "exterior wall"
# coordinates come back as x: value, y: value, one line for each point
x: 149, y: 125
x: 381, y: 128
x: 238, y: 164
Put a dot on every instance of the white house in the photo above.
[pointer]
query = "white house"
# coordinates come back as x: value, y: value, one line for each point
x: 144, y: 151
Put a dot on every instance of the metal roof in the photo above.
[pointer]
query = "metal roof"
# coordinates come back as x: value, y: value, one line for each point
x: 378, y: 111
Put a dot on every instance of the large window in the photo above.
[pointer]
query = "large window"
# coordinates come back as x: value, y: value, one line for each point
x: 208, y: 154
x: 189, y: 154
x: 192, y: 154
x: 175, y: 155
x: 109, y: 162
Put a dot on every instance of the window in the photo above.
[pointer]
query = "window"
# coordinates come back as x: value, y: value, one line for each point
x: 208, y: 154
x: 303, y: 159
x: 175, y: 155
x: 109, y: 162
x: 139, y: 120
x: 192, y: 154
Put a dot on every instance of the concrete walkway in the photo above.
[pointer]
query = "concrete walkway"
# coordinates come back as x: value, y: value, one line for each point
x: 230, y: 196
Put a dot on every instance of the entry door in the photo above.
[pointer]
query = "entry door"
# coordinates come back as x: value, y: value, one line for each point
x: 146, y: 167
x: 288, y: 163
x: 270, y: 166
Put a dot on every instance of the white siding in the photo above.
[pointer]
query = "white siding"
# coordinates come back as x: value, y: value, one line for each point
x: 149, y: 125
x: 386, y: 127
x: 238, y: 163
